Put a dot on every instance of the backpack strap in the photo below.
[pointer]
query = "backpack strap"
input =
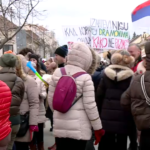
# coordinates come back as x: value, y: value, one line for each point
x: 76, y: 100
x: 78, y: 74
x: 63, y: 71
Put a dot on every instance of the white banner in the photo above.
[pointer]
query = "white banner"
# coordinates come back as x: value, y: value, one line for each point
x: 109, y: 34
x: 77, y: 34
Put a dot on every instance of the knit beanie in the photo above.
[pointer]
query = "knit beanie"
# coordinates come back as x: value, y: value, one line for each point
x: 9, y: 52
x: 62, y: 51
x: 8, y: 60
x: 34, y: 56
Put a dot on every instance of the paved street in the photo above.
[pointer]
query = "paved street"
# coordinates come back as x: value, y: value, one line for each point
x: 48, y: 136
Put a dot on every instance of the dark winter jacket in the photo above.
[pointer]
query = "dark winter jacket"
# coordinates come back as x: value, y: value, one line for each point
x: 96, y: 77
x: 61, y: 65
x: 16, y: 86
x: 115, y: 80
x: 43, y: 67
x: 133, y: 99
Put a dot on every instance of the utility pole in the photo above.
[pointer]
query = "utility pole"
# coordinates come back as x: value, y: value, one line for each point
x: 19, y: 15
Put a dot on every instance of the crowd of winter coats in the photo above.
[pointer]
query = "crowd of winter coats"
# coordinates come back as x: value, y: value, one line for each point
x: 114, y: 104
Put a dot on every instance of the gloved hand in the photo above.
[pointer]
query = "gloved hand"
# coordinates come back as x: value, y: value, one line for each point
x: 98, y: 135
x: 34, y: 128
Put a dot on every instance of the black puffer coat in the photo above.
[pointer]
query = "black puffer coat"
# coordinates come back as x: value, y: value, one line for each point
x: 115, y: 80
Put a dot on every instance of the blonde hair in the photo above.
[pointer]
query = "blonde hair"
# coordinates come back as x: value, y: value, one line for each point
x: 19, y: 70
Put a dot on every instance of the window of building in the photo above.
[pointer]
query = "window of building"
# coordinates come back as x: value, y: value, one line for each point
x: 7, y: 47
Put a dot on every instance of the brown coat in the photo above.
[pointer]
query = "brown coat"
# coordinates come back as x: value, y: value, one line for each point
x: 133, y: 99
x: 16, y: 86
x: 30, y: 101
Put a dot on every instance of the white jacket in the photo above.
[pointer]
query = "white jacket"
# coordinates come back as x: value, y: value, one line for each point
x: 77, y: 122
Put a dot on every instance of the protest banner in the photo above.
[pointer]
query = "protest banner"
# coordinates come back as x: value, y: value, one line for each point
x: 69, y: 45
x: 109, y: 34
x: 77, y: 34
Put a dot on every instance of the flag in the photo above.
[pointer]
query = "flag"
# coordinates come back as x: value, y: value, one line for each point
x: 141, y: 15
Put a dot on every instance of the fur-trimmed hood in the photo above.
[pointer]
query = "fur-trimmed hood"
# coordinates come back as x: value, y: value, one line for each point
x: 23, y: 63
x: 94, y: 63
x: 118, y: 73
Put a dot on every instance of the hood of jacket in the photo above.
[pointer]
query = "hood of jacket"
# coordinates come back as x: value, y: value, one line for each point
x: 82, y: 56
x: 118, y: 73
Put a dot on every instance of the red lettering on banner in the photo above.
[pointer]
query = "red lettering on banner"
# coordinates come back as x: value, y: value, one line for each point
x: 99, y: 42
x: 70, y: 45
x: 121, y: 44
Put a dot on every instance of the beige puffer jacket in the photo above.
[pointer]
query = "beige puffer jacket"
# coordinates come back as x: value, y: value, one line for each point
x: 79, y: 120
x: 42, y: 96
x: 30, y: 101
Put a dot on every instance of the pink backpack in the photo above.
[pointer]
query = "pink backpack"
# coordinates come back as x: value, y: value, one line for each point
x: 65, y: 92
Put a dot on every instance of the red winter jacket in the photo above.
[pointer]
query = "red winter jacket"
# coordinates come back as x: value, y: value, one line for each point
x: 5, y: 102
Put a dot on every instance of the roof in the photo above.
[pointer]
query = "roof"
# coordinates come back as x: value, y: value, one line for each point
x: 8, y: 25
x: 38, y: 27
x: 135, y: 38
x: 42, y: 28
x: 35, y: 36
x: 144, y: 42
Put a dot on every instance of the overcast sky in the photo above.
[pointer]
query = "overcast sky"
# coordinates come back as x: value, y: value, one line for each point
x: 78, y: 12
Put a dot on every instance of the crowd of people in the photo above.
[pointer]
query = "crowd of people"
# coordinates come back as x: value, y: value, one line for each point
x: 87, y: 101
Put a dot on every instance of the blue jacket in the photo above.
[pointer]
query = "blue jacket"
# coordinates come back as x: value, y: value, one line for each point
x: 96, y: 77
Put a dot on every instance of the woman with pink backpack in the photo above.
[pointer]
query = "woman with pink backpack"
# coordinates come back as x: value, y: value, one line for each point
x: 71, y: 96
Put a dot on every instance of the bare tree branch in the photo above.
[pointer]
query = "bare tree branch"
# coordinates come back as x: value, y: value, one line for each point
x: 9, y: 5
x: 8, y: 28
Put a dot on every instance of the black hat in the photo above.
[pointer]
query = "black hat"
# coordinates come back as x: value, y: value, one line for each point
x: 34, y: 56
x: 62, y: 51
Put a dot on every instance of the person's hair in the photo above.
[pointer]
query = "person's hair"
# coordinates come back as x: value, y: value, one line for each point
x: 38, y: 66
x: 25, y: 51
x: 19, y: 70
x: 134, y: 44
